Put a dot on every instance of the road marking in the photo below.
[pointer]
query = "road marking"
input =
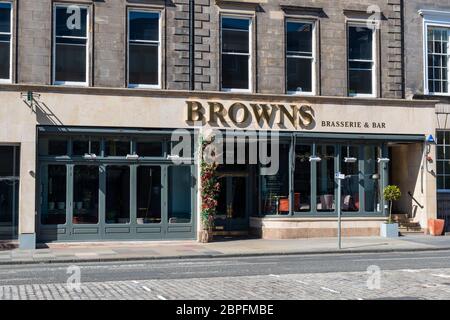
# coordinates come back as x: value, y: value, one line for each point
x: 441, y: 275
x: 411, y: 270
x: 329, y: 290
x: 134, y: 281
x: 161, y: 297
x: 147, y: 289
x: 274, y: 275
x: 302, y: 282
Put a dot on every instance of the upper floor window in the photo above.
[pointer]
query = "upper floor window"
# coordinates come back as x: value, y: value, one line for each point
x: 299, y: 57
x: 438, y: 55
x: 235, y: 53
x: 144, y: 49
x: 5, y: 42
x: 71, y: 54
x: 361, y: 61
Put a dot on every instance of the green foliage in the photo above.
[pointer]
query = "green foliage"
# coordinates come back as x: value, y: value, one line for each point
x: 392, y: 193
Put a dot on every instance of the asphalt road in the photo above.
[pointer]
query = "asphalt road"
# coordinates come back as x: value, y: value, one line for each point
x: 227, y: 267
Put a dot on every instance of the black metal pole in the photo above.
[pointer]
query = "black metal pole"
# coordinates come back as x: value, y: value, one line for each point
x: 192, y: 45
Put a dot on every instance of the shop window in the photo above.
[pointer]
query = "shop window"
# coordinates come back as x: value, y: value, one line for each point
x: 179, y: 195
x: 299, y: 57
x: 148, y: 194
x: 350, y: 185
x: 117, y: 148
x: 117, y: 194
x: 57, y: 147
x: 149, y: 149
x: 85, y: 194
x: 9, y: 191
x: 325, y: 178
x: 372, y: 177
x: 437, y: 60
x: 274, y: 189
x: 302, y: 179
x: 81, y: 147
x: 144, y: 49
x: 55, y: 212
x: 5, y: 42
x: 361, y: 61
x: 71, y: 45
x: 236, y: 53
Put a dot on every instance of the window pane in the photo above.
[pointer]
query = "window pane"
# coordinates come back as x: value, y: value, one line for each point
x: 70, y: 62
x: 85, y: 194
x: 5, y: 56
x: 71, y: 21
x: 275, y: 189
x: 6, y: 161
x: 57, y: 147
x: 325, y: 178
x: 350, y: 185
x: 360, y: 78
x: 143, y: 64
x: 117, y: 194
x: 144, y: 26
x: 299, y: 37
x: 180, y: 209
x: 55, y: 213
x: 9, y: 195
x: 235, y: 24
x: 80, y: 147
x: 371, y: 179
x: 302, y: 179
x: 117, y: 148
x: 235, y: 71
x: 149, y: 149
x: 5, y: 17
x: 360, y: 43
x: 235, y: 41
x: 299, y: 75
x: 148, y: 194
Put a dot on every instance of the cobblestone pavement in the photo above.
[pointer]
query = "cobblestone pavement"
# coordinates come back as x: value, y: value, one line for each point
x: 399, y: 284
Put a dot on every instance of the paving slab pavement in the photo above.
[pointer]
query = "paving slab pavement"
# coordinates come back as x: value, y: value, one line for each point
x: 141, y: 250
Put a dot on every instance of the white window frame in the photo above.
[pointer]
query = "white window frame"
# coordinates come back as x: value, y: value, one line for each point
x: 364, y: 24
x: 313, y: 57
x: 436, y: 19
x: 88, y: 39
x: 11, y: 33
x: 250, y: 53
x: 137, y: 85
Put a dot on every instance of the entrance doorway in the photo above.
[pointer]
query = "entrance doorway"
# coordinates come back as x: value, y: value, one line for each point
x: 232, y: 216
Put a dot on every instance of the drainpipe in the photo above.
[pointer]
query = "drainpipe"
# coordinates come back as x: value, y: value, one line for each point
x: 191, y: 45
x: 402, y: 31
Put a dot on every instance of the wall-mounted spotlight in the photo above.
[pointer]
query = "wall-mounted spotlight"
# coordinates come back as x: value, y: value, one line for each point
x: 315, y: 159
x: 383, y: 160
x: 350, y: 159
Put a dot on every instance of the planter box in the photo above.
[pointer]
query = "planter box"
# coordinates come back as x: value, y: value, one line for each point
x: 389, y: 230
x: 436, y: 227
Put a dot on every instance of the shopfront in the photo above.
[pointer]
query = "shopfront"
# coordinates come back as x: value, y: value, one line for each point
x: 113, y: 184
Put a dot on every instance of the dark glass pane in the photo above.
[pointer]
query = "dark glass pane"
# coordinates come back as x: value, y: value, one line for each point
x: 350, y: 185
x: 440, y: 137
x: 71, y: 22
x: 5, y: 17
x: 275, y: 188
x: 85, y: 194
x: 235, y: 41
x: 70, y: 62
x: 299, y: 37
x: 143, y: 64
x: 55, y: 213
x: 57, y: 147
x: 144, y: 26
x: 148, y: 194
x: 9, y: 205
x: 149, y: 149
x: 5, y: 57
x: 235, y: 24
x: 371, y: 181
x: 360, y: 78
x: 299, y: 75
x: 80, y: 147
x: 440, y: 167
x: 302, y: 179
x: 117, y: 148
x: 117, y: 194
x: 95, y: 147
x: 360, y: 43
x: 325, y: 178
x: 440, y: 183
x: 235, y: 71
x: 180, y: 209
x: 6, y: 161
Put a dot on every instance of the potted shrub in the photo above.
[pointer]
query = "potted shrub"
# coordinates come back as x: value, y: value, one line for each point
x: 389, y: 229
